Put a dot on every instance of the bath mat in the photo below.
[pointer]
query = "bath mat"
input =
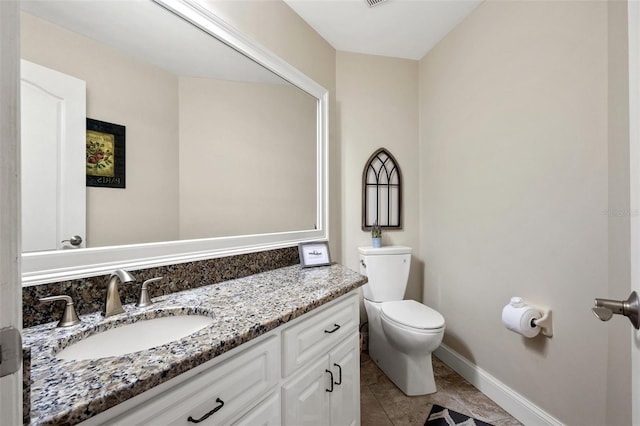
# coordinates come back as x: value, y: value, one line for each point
x: 442, y: 416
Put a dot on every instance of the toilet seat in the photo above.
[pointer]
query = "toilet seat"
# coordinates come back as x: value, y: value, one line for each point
x: 412, y: 314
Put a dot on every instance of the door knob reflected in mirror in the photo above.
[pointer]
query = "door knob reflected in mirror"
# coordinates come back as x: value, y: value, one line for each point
x: 605, y: 309
x: 76, y: 240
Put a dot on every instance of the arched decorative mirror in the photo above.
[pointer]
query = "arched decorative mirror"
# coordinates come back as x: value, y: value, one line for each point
x: 381, y: 192
x: 225, y: 142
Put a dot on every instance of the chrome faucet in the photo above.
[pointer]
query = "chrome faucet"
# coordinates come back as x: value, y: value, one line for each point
x: 112, y: 304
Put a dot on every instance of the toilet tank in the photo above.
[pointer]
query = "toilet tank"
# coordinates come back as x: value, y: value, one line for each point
x: 387, y: 269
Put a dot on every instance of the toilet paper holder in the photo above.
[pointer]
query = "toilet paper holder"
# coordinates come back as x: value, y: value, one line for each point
x: 542, y: 321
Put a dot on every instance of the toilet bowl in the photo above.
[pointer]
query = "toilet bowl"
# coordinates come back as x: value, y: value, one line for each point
x: 402, y: 333
x: 403, y: 352
x: 413, y: 328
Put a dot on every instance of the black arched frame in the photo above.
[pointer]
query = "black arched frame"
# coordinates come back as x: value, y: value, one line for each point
x: 381, y: 192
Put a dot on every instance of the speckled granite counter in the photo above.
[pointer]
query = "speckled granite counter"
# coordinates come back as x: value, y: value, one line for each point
x: 67, y: 392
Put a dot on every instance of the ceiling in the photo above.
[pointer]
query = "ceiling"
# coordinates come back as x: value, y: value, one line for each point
x: 397, y: 28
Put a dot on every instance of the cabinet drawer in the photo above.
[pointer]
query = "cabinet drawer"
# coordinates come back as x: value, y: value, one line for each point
x: 267, y: 413
x: 234, y: 385
x: 315, y: 335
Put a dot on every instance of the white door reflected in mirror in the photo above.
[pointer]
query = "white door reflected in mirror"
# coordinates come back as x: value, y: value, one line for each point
x: 53, y: 127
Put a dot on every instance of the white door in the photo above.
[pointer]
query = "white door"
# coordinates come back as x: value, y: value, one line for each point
x: 634, y: 154
x: 10, y: 289
x: 53, y: 115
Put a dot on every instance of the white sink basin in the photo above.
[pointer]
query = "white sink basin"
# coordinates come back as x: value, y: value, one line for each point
x: 134, y: 337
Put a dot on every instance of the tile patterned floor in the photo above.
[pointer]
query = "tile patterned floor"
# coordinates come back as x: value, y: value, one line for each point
x: 382, y: 403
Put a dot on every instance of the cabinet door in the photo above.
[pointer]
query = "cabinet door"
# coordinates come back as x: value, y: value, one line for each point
x: 344, y: 362
x: 305, y: 399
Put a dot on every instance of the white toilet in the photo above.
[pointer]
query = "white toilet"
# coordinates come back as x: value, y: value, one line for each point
x: 402, y: 333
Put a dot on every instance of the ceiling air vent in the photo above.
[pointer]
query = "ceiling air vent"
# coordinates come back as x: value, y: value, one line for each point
x: 372, y: 3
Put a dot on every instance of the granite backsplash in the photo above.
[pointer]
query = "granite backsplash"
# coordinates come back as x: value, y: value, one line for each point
x: 88, y: 294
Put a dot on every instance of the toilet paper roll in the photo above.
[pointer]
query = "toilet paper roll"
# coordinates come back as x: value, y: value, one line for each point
x: 518, y: 320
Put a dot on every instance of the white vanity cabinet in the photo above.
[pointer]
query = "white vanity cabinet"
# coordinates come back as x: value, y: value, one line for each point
x: 321, y: 364
x: 304, y: 372
x: 326, y: 391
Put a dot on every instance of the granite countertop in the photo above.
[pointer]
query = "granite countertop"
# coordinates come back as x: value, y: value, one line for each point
x: 68, y: 392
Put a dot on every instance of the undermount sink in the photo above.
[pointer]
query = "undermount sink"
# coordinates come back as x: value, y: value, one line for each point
x: 134, y: 337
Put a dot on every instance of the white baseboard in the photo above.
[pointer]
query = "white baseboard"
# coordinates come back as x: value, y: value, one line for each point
x: 511, y: 401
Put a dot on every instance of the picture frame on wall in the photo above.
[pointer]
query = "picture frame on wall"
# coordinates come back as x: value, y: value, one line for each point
x: 314, y: 254
x: 105, y: 155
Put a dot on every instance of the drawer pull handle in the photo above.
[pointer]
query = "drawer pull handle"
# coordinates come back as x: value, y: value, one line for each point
x: 335, y: 328
x: 192, y: 420
x: 339, y: 382
x: 330, y: 380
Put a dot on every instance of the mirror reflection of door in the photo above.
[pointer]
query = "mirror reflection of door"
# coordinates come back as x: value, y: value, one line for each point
x: 53, y: 115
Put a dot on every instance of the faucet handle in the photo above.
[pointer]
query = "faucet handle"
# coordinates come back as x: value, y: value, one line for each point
x: 69, y: 316
x: 144, y: 299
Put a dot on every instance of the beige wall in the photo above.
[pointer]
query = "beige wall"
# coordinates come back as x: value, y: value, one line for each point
x: 139, y: 96
x: 514, y: 182
x: 239, y: 179
x: 377, y: 106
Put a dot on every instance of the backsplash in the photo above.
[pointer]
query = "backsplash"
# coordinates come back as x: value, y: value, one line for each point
x: 88, y: 294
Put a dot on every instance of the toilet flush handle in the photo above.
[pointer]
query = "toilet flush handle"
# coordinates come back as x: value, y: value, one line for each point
x: 362, y: 263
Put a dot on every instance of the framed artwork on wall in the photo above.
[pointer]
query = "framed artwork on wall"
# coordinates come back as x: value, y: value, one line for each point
x: 105, y: 156
x: 381, y: 192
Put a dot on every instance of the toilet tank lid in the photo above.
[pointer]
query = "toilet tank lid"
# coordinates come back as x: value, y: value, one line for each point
x: 413, y: 314
x: 372, y: 251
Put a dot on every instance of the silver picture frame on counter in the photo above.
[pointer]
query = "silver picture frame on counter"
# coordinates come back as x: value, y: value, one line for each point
x: 314, y: 254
